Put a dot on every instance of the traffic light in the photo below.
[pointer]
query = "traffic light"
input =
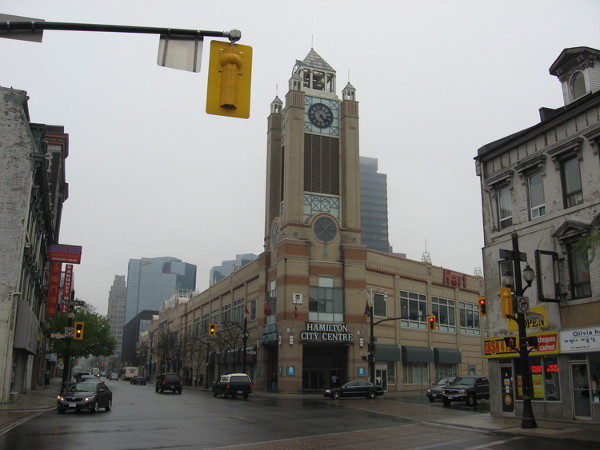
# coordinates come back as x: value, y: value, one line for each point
x: 229, y: 79
x: 78, y: 332
x: 506, y: 301
x: 212, y: 329
x: 431, y: 322
x: 482, y: 306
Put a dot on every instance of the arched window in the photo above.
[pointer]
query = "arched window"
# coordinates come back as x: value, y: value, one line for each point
x: 578, y: 85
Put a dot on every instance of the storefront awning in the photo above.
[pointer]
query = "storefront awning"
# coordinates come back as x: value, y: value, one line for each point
x: 446, y: 356
x: 417, y: 354
x: 384, y: 352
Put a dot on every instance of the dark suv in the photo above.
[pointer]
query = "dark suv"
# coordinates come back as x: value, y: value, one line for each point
x: 169, y: 382
x: 467, y: 389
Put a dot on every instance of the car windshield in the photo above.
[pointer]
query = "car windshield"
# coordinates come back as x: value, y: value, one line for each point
x: 463, y: 380
x: 83, y: 387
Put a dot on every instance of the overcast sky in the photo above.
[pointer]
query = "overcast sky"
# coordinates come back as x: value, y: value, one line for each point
x: 151, y: 174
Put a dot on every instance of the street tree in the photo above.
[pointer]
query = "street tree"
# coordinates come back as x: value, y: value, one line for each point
x: 97, y: 339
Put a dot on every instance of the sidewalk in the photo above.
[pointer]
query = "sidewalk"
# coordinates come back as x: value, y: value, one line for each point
x: 43, y: 399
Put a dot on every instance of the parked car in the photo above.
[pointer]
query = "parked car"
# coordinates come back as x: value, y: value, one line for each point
x: 78, y: 375
x: 114, y: 376
x: 355, y: 389
x: 437, y: 389
x: 169, y: 382
x: 138, y: 380
x: 467, y: 389
x: 233, y: 384
x: 85, y: 395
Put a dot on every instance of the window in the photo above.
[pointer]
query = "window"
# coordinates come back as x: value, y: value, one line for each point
x: 253, y: 309
x: 544, y: 377
x: 445, y: 371
x: 413, y: 307
x: 380, y: 305
x: 226, y: 313
x: 238, y: 310
x: 415, y: 373
x: 325, y: 303
x: 595, y: 376
x: 444, y: 310
x: 578, y: 85
x: 537, y: 203
x: 579, y: 268
x: 271, y: 306
x: 504, y: 207
x: 571, y: 178
x: 204, y: 325
x: 469, y: 319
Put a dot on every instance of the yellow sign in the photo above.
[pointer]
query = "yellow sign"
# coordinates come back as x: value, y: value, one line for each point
x: 536, y: 318
x: 229, y: 80
x: 497, y: 348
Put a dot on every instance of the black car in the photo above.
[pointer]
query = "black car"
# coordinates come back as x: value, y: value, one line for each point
x: 466, y: 389
x: 85, y: 395
x: 169, y: 382
x: 138, y: 380
x: 233, y: 384
x: 437, y: 389
x: 355, y: 389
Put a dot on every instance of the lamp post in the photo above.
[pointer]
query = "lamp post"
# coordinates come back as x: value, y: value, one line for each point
x: 528, y: 420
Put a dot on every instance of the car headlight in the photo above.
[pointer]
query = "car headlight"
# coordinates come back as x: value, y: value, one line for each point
x: 89, y: 399
x: 462, y: 391
x: 60, y: 398
x: 429, y: 390
x: 328, y: 391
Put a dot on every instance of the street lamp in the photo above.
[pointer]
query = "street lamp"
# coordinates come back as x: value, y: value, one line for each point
x: 528, y: 420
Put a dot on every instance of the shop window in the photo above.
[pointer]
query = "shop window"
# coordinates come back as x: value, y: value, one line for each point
x: 571, y: 179
x: 469, y: 319
x: 595, y: 376
x: 326, y: 302
x: 537, y: 202
x: 444, y: 310
x: 391, y: 372
x: 445, y: 371
x: 579, y: 267
x: 504, y: 207
x: 413, y: 310
x: 415, y: 373
x: 545, y: 381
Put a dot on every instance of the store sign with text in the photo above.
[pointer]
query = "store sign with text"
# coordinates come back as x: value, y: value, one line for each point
x: 326, y: 332
x: 580, y: 340
x: 547, y: 343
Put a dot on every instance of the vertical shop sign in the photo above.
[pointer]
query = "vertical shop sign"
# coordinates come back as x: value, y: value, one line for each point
x: 53, y: 289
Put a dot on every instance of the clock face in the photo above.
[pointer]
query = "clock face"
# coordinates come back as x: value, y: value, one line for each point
x: 320, y: 115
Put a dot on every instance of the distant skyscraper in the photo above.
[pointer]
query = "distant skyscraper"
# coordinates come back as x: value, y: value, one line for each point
x: 218, y: 273
x: 373, y: 206
x: 151, y: 281
x: 116, y: 309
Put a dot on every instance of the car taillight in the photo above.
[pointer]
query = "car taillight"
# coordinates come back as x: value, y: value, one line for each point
x: 164, y: 381
x: 227, y: 386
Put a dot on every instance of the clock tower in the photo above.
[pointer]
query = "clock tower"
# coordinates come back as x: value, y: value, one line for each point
x: 313, y: 190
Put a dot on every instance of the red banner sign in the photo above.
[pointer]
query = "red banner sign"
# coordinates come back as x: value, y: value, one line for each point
x: 65, y: 253
x: 68, y: 282
x: 53, y: 289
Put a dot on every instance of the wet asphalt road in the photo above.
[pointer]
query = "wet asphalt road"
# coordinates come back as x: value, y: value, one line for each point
x: 143, y: 419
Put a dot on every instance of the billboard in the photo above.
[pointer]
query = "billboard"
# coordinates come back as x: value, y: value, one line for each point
x: 65, y: 253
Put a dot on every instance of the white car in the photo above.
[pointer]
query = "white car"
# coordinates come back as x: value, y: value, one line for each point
x: 114, y: 376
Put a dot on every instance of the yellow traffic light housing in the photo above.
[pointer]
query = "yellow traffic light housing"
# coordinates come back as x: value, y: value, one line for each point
x: 482, y: 309
x: 78, y: 331
x: 212, y: 329
x: 431, y: 322
x: 506, y: 302
x: 229, y: 79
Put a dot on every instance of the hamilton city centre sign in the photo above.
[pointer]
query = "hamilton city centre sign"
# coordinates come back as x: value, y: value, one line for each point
x: 326, y: 332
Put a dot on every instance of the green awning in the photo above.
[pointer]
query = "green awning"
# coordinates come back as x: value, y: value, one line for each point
x: 446, y: 356
x: 417, y: 354
x: 385, y: 352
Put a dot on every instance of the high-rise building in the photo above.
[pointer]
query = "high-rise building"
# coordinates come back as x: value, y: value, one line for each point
x: 151, y: 281
x: 219, y: 273
x: 116, y: 309
x: 373, y: 206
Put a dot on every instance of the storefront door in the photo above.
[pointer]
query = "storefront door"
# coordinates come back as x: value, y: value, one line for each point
x: 582, y: 408
x: 381, y: 378
x: 507, y: 389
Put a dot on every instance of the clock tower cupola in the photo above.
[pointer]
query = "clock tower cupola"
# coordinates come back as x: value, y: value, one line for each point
x: 313, y: 190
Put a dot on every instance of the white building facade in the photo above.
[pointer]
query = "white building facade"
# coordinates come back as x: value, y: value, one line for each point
x: 542, y: 184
